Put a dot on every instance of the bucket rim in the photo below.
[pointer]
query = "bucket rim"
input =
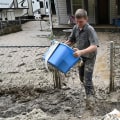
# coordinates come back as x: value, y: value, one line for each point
x: 67, y: 46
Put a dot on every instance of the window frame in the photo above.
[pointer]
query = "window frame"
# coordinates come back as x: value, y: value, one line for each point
x: 41, y: 4
x: 82, y: 6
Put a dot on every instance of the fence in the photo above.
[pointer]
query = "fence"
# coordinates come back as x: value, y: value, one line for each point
x: 114, y: 66
x: 7, y: 27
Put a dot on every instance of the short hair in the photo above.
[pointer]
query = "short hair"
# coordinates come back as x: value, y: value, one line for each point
x: 81, y: 13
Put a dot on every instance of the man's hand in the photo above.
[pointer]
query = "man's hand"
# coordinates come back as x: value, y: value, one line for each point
x: 78, y: 52
x: 88, y: 50
x: 69, y: 43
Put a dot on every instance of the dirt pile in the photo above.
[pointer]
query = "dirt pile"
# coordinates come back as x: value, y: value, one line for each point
x: 35, y: 114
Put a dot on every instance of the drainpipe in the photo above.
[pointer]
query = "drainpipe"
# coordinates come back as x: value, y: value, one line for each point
x: 50, y: 14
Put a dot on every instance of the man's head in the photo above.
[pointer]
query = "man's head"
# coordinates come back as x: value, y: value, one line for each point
x: 81, y: 17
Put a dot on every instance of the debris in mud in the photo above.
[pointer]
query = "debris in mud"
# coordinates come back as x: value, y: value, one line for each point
x: 13, y: 72
x: 114, y: 115
x: 9, y: 55
x: 13, y: 51
x: 39, y: 90
x: 32, y: 69
x: 1, y: 80
x: 24, y: 56
x: 21, y: 64
x: 35, y: 114
x: 1, y: 54
x: 42, y: 36
x: 68, y: 109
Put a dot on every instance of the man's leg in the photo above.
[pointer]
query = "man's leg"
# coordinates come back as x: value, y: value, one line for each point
x: 88, y: 83
x: 81, y: 73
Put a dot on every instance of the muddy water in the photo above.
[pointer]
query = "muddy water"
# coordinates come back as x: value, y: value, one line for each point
x: 52, y: 102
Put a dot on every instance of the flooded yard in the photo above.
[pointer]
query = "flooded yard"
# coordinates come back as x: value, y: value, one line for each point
x: 26, y: 88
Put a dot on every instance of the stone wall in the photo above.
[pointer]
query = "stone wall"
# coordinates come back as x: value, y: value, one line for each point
x: 10, y: 29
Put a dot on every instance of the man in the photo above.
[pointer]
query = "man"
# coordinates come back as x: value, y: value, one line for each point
x: 86, y: 41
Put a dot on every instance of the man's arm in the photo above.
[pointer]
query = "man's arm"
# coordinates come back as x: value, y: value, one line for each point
x: 88, y: 50
x: 71, y: 39
x: 93, y: 39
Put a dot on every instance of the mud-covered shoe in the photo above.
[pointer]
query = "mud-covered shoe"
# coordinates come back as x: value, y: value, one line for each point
x: 90, y: 102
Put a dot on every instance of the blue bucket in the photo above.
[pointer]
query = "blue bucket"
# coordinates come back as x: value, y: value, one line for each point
x: 62, y: 58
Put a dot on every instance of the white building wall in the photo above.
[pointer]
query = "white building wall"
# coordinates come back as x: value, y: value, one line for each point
x: 10, y: 15
x: 20, y: 12
x: 7, y: 14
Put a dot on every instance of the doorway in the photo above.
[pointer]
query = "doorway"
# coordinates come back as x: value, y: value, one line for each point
x: 102, y: 11
x: 86, y: 6
x: 53, y: 7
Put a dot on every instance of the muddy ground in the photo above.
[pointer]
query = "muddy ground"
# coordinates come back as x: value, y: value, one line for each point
x: 26, y: 88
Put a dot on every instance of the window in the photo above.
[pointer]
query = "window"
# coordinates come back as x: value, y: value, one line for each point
x: 76, y: 4
x: 41, y: 4
x: 86, y: 6
x: 118, y: 7
x: 69, y: 10
x: 46, y: 4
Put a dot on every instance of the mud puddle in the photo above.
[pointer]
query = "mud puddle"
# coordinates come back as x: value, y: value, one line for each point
x: 52, y: 102
x: 25, y: 87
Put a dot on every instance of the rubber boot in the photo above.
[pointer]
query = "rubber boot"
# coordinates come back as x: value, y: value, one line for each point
x: 90, y: 102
